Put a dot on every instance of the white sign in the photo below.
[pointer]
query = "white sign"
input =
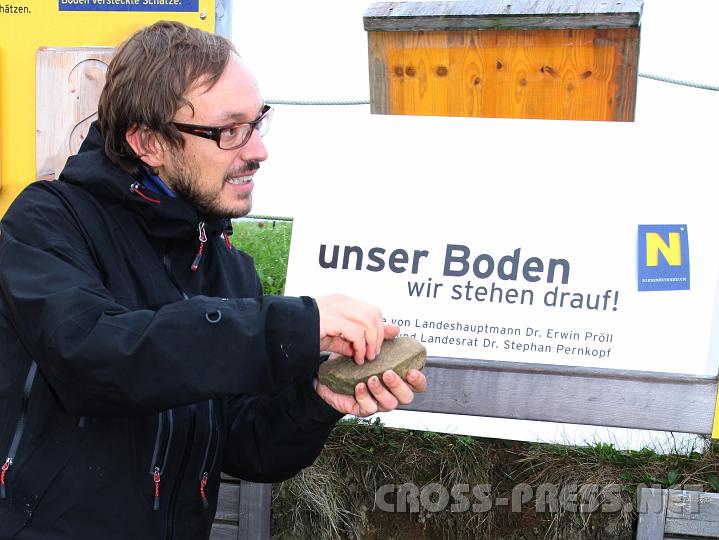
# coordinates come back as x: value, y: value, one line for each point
x: 524, y: 241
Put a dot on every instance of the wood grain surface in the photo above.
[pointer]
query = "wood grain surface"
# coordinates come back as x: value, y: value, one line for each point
x: 68, y: 86
x: 570, y: 394
x: 571, y: 74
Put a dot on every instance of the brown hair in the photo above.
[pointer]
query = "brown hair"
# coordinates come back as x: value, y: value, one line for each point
x: 147, y: 79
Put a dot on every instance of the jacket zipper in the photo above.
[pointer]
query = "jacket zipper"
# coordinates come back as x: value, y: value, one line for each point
x: 181, y: 474
x: 19, y: 428
x: 159, y: 457
x: 192, y: 408
x: 204, y: 471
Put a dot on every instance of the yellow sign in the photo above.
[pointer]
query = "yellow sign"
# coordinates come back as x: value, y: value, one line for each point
x: 26, y: 25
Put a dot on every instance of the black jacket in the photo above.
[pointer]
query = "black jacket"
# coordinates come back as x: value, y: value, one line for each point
x: 128, y: 381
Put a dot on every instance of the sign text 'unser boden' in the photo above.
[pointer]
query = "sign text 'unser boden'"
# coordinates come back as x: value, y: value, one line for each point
x: 458, y: 262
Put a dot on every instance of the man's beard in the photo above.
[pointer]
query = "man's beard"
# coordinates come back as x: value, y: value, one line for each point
x: 185, y: 185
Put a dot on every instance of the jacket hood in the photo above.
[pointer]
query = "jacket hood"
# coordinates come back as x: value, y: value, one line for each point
x: 160, y: 216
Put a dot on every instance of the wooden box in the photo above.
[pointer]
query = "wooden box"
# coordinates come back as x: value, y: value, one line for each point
x: 551, y: 59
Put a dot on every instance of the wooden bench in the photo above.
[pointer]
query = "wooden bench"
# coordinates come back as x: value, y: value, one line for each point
x: 676, y: 514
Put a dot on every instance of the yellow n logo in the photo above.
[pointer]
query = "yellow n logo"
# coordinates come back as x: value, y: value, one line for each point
x: 672, y: 252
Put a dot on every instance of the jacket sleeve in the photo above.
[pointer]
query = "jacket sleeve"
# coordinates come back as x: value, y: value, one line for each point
x: 104, y: 359
x: 272, y: 437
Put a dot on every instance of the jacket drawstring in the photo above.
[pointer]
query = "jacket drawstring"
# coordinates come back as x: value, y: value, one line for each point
x: 135, y: 188
x: 227, y: 240
x: 203, y: 239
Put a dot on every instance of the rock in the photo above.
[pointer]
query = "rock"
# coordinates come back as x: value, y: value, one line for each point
x: 401, y: 354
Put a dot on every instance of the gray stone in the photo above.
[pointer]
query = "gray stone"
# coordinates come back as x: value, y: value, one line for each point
x: 401, y: 354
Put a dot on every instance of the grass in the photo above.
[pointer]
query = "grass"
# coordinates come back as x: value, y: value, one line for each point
x: 335, y: 498
x: 675, y: 467
x: 268, y: 241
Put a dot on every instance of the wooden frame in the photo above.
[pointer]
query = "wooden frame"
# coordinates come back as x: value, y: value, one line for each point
x: 577, y: 395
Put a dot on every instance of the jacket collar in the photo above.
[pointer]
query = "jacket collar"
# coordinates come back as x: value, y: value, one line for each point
x: 162, y: 217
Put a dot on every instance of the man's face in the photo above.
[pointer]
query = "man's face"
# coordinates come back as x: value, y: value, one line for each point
x: 218, y: 182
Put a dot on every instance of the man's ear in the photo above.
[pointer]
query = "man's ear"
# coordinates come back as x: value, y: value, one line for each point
x: 147, y: 145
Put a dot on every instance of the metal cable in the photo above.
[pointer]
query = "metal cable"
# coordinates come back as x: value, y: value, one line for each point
x: 702, y: 86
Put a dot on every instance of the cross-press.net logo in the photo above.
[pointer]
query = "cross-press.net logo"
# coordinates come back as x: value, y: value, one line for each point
x: 663, y: 258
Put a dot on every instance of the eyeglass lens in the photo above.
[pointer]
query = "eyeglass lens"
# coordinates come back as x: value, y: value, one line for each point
x: 238, y: 135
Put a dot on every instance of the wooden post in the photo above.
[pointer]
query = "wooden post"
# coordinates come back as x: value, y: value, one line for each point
x: 255, y: 506
x: 664, y: 513
x: 243, y: 510
x: 652, y: 510
x: 559, y: 59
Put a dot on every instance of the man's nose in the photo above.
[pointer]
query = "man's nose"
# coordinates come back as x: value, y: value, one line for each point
x: 254, y: 149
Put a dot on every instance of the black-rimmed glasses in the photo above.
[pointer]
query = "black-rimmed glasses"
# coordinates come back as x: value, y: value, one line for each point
x: 231, y: 136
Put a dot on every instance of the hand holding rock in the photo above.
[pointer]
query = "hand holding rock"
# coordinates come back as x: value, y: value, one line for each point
x: 400, y: 355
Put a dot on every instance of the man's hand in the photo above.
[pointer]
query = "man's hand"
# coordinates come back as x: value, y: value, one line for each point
x: 352, y: 328
x: 374, y: 396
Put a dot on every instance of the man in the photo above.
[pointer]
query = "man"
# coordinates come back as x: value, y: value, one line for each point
x: 139, y: 359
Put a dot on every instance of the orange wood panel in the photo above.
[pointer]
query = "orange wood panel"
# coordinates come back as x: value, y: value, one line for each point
x: 577, y: 74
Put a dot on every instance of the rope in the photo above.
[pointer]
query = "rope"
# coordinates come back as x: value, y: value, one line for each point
x: 679, y: 82
x: 660, y: 78
x: 317, y: 102
x: 267, y: 218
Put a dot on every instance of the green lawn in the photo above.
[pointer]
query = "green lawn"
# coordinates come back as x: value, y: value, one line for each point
x: 268, y: 241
